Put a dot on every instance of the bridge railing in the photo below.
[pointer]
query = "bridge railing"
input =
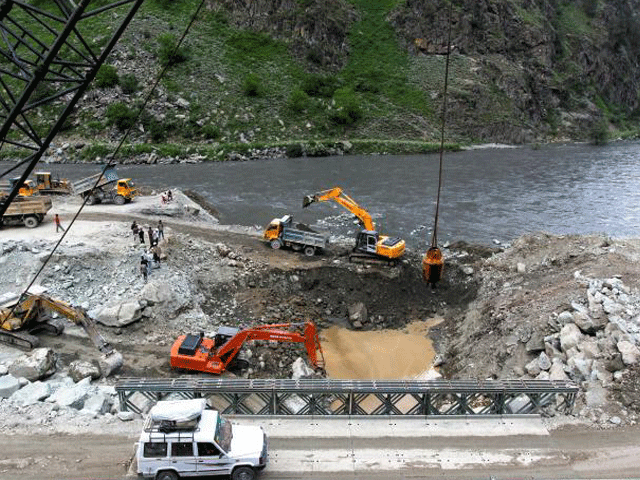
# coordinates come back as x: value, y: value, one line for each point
x: 355, y: 397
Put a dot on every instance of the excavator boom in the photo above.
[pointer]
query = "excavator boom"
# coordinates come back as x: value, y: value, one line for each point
x: 337, y: 195
x: 28, y: 314
x: 370, y: 246
x: 199, y: 353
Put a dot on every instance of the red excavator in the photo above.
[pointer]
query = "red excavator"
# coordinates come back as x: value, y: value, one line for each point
x: 214, y: 355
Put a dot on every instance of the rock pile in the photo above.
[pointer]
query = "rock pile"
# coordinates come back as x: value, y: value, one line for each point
x: 594, y: 343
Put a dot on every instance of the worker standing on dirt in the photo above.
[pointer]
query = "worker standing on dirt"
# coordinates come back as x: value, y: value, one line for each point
x: 150, y: 233
x: 58, y: 226
x: 144, y: 268
x: 141, y: 235
x: 134, y: 230
x: 160, y: 230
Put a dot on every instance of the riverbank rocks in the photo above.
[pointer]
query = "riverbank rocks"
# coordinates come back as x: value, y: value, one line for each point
x: 32, y: 393
x: 38, y: 364
x: 358, y: 315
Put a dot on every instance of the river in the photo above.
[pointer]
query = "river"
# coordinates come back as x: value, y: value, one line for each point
x: 488, y: 194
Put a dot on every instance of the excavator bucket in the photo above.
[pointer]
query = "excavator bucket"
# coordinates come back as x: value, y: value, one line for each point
x: 308, y: 200
x: 432, y: 265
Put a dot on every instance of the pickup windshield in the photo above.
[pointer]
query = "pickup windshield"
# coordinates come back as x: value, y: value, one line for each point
x: 224, y: 433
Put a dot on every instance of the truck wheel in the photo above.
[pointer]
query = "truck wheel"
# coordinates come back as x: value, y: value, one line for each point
x: 167, y: 475
x: 30, y: 222
x: 92, y: 200
x: 276, y: 244
x: 243, y: 473
x: 309, y: 251
x: 119, y: 200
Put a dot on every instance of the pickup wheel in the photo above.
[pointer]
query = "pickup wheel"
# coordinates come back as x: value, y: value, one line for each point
x: 276, y: 244
x: 309, y: 251
x: 243, y: 473
x: 30, y: 222
x: 119, y: 200
x: 167, y: 475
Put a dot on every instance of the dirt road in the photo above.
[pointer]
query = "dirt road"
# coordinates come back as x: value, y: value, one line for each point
x: 569, y: 452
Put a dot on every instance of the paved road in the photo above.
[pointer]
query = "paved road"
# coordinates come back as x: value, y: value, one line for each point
x: 394, y: 449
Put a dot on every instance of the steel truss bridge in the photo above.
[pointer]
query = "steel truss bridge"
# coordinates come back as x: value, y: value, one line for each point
x: 354, y: 397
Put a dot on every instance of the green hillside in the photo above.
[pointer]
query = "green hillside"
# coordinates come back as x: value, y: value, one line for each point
x: 300, y: 77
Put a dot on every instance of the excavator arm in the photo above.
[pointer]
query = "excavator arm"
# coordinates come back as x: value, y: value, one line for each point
x: 337, y: 195
x: 279, y: 333
x: 32, y: 308
x: 199, y: 353
x: 77, y: 315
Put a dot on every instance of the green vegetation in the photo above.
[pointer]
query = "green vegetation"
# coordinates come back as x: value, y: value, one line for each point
x: 107, y: 77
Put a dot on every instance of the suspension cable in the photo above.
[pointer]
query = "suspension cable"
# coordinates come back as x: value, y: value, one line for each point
x: 434, y: 236
x: 111, y: 160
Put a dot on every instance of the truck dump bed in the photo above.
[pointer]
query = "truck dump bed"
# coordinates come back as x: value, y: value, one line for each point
x: 29, y: 206
x: 82, y: 186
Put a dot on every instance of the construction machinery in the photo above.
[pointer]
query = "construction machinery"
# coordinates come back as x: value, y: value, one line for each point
x: 46, y: 184
x: 105, y: 187
x: 21, y: 318
x: 281, y: 232
x: 371, y: 247
x: 214, y: 355
x: 29, y: 211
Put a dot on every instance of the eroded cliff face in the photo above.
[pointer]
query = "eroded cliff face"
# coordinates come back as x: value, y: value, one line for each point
x: 523, y: 71
x: 561, y: 67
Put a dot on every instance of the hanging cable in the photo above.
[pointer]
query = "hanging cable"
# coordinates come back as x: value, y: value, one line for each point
x: 433, y: 262
x: 111, y: 161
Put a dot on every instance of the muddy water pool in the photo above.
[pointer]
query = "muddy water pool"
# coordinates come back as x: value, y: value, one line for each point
x: 378, y: 355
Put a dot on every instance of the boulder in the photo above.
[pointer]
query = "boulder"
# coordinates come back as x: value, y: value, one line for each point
x: 38, y: 364
x: 580, y: 366
x: 79, y: 369
x: 570, y: 336
x: 556, y: 372
x: 589, y: 346
x: 120, y: 315
x: 126, y: 416
x: 535, y: 343
x: 565, y: 317
x: 630, y: 353
x: 301, y: 369
x: 587, y: 324
x: 97, y: 404
x: 615, y: 363
x: 358, y: 314
x: 156, y: 292
x: 543, y: 361
x: 32, y: 393
x: 596, y: 395
x: 8, y: 386
x: 533, y: 368
x: 73, y: 397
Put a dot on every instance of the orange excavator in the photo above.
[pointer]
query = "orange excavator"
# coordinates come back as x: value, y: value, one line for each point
x: 370, y: 245
x: 214, y: 355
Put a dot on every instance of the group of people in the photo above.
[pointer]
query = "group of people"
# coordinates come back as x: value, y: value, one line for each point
x: 154, y: 234
x: 166, y: 197
x: 150, y: 257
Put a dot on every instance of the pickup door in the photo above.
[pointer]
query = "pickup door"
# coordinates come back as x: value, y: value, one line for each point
x: 211, y: 461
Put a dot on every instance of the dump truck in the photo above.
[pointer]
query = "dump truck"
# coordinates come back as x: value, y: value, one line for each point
x: 281, y: 232
x: 29, y: 211
x: 110, y: 188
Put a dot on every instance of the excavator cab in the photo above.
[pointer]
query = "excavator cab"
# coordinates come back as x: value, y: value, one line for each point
x: 367, y: 241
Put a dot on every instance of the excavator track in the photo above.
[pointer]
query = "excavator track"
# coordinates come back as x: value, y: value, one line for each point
x: 19, y: 339
x: 368, y: 259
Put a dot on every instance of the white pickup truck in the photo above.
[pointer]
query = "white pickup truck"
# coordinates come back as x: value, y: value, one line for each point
x: 183, y: 438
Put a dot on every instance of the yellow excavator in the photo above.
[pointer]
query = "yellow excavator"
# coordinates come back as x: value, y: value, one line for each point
x: 370, y: 245
x: 30, y: 314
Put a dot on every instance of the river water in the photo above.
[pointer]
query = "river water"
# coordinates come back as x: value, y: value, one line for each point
x: 487, y: 194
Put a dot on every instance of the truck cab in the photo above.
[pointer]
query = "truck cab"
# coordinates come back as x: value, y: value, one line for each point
x: 183, y: 438
x: 274, y: 229
x: 126, y: 188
